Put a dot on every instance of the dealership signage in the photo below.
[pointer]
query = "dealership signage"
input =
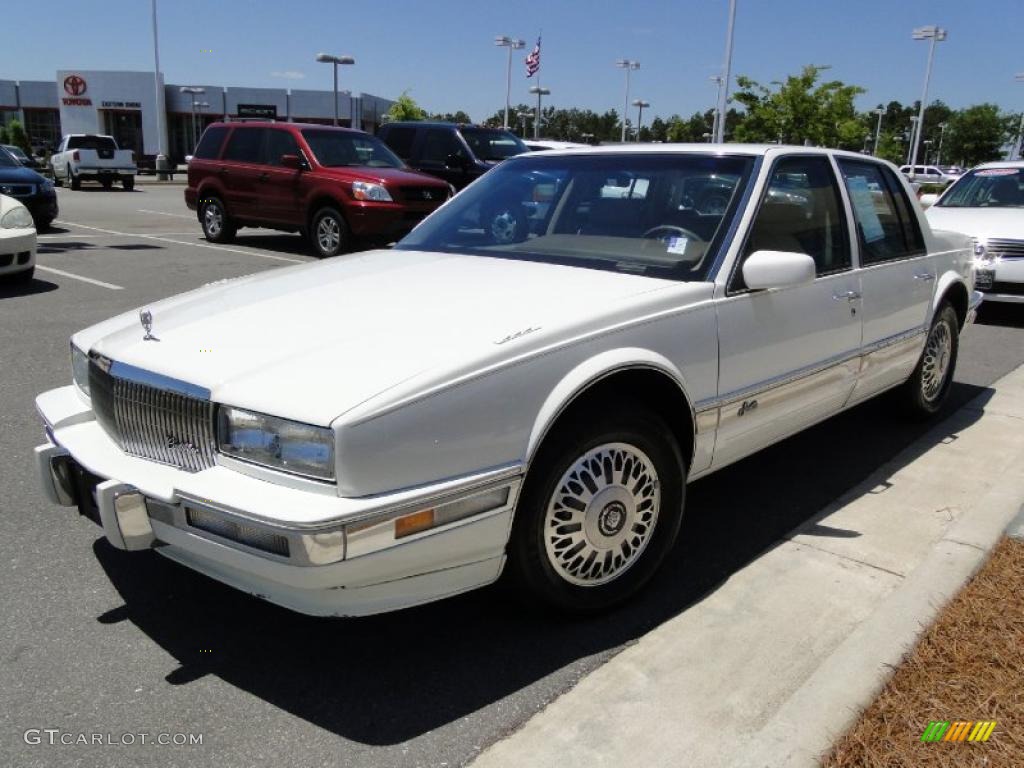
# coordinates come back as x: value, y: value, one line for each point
x: 75, y: 86
x: 121, y: 105
x: 266, y: 111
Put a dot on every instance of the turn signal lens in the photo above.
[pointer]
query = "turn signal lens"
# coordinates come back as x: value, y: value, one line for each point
x: 414, y: 523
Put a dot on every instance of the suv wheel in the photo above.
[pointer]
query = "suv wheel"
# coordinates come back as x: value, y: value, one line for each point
x: 329, y: 232
x: 73, y: 181
x: 217, y: 227
x: 507, y: 223
x: 599, y: 512
x: 928, y: 386
x: 128, y: 183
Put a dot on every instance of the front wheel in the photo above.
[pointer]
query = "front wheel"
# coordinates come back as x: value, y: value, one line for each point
x: 599, y: 511
x: 217, y: 226
x: 928, y: 386
x: 506, y: 224
x: 128, y: 183
x: 329, y: 232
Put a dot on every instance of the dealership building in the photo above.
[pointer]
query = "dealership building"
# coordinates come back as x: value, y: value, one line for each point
x: 124, y: 105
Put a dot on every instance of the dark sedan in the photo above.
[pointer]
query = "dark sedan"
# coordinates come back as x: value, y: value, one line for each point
x: 31, y: 189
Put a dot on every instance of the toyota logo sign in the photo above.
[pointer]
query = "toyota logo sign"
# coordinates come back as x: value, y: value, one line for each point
x: 74, y: 85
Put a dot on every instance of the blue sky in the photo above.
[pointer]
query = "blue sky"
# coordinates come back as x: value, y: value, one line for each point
x: 443, y: 51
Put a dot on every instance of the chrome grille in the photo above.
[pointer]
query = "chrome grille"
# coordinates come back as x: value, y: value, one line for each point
x: 1013, y: 249
x: 153, y: 423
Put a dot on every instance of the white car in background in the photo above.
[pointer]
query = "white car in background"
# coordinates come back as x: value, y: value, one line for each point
x: 543, y: 145
x: 987, y: 203
x: 17, y: 241
x: 928, y: 174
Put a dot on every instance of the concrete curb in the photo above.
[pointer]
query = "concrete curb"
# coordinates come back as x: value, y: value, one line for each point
x: 1015, y: 530
x: 808, y: 724
x: 780, y: 660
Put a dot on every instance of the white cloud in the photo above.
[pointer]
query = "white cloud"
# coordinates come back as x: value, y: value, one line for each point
x: 289, y: 74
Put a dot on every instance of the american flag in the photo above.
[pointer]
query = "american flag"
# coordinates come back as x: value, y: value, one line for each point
x: 533, y: 60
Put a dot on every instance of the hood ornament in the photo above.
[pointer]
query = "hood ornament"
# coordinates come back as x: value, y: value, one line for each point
x: 146, y: 317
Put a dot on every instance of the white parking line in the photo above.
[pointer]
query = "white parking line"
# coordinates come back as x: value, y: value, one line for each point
x: 180, y: 242
x: 111, y: 286
x: 69, y: 235
x: 165, y: 213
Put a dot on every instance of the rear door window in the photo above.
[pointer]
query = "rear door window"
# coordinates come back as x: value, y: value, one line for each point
x: 210, y: 144
x: 439, y: 144
x: 279, y: 143
x: 245, y: 145
x: 886, y: 225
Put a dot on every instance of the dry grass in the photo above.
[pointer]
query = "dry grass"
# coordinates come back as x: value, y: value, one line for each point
x: 969, y: 665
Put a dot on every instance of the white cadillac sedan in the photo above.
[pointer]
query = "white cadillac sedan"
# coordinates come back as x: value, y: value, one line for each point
x: 17, y: 241
x: 507, y: 393
x: 987, y: 203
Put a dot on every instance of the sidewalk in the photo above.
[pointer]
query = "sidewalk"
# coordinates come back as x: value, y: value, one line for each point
x: 776, y: 663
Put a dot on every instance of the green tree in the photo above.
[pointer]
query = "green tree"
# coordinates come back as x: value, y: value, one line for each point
x: 16, y: 135
x: 800, y: 110
x: 405, y: 108
x: 452, y: 117
x: 977, y: 134
x: 4, y: 138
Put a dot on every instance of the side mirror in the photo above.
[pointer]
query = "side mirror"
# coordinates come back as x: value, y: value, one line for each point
x: 455, y: 162
x: 292, y: 161
x: 928, y: 200
x: 777, y: 269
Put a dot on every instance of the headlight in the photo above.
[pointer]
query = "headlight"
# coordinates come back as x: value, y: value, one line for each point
x: 365, y: 190
x: 278, y: 443
x: 80, y: 369
x: 46, y: 186
x: 18, y: 218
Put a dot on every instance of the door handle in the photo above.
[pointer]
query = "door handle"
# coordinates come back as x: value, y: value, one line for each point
x: 223, y: 171
x: 924, y: 276
x: 264, y: 176
x: 848, y: 295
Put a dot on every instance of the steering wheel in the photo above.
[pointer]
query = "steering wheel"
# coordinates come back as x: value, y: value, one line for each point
x: 650, y: 233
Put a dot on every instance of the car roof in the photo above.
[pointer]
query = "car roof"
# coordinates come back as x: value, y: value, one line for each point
x: 1001, y: 164
x: 704, y: 148
x: 282, y: 124
x: 440, y: 124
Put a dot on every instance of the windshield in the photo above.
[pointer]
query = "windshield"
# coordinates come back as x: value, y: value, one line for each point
x: 16, y: 151
x: 7, y: 159
x: 661, y: 215
x: 987, y: 188
x: 334, y: 149
x: 488, y: 144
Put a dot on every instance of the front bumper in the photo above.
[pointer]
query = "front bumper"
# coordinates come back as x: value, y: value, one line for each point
x: 42, y: 207
x: 386, y: 220
x: 141, y: 504
x: 1002, y: 281
x: 17, y: 250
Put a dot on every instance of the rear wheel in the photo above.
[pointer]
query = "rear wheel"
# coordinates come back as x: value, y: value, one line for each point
x: 73, y: 181
x: 599, y: 511
x: 128, y: 182
x: 329, y: 232
x: 928, y: 386
x: 107, y: 183
x: 217, y: 226
x: 506, y: 223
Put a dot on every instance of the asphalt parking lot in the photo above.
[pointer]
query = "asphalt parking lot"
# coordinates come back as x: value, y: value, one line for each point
x: 100, y: 641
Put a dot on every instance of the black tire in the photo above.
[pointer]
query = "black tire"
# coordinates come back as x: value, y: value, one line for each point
x: 217, y: 225
x: 541, y: 560
x: 73, y: 181
x: 128, y: 182
x: 329, y: 233
x: 926, y: 390
x: 57, y: 181
x: 107, y: 184
x: 506, y: 223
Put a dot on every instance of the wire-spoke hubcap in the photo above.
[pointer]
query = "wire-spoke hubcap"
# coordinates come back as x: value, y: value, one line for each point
x: 214, y: 219
x: 328, y: 234
x: 602, y: 514
x: 937, y: 353
x: 503, y: 227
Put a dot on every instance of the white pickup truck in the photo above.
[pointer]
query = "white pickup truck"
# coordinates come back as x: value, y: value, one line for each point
x: 89, y: 157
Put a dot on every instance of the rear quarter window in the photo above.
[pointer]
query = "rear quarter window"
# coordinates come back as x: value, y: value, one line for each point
x: 400, y: 138
x: 210, y: 144
x: 245, y: 145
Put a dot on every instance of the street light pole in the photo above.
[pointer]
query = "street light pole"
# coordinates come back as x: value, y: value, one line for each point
x: 912, y: 144
x: 723, y: 92
x: 878, y: 130
x: 718, y: 80
x: 640, y: 104
x: 936, y: 35
x: 942, y: 135
x: 326, y: 58
x: 193, y: 91
x: 1019, y: 77
x: 161, y: 108
x: 512, y: 44
x: 629, y: 66
x: 536, y: 120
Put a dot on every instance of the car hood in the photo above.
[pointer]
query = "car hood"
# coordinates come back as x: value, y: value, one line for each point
x: 313, y: 341
x: 982, y: 223
x: 20, y: 175
x: 393, y: 176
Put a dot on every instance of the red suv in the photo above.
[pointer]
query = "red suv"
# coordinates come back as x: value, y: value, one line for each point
x: 331, y: 184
